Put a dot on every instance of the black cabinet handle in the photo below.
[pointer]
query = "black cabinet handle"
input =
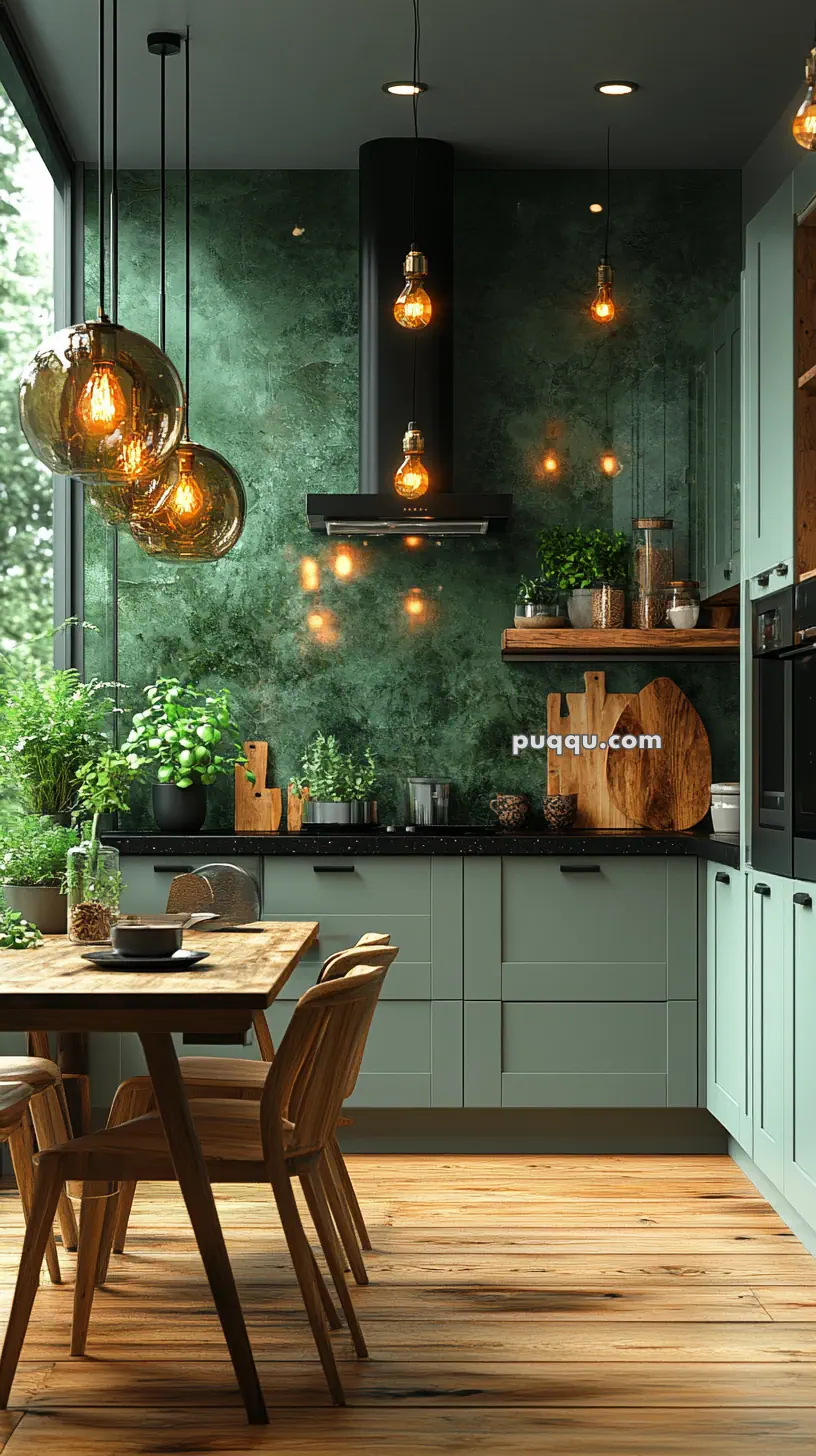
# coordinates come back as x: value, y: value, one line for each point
x: 763, y: 578
x: 333, y: 869
x: 579, y: 869
x: 762, y: 889
x: 803, y: 900
x: 782, y: 568
x: 721, y: 878
x: 166, y: 869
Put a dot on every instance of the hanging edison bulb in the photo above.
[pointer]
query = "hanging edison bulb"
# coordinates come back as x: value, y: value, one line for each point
x: 412, y: 478
x: 195, y: 509
x: 804, y: 122
x: 603, y: 304
x: 96, y: 398
x: 609, y: 464
x: 413, y: 309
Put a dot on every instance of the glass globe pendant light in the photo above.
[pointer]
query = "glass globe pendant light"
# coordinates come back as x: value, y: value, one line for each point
x: 195, y: 508
x: 602, y: 308
x: 414, y: 309
x: 96, y: 397
x: 804, y: 122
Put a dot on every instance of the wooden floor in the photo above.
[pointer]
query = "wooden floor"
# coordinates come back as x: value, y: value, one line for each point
x: 613, y: 1306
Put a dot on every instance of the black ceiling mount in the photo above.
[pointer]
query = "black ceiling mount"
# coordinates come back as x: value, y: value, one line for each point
x: 164, y: 43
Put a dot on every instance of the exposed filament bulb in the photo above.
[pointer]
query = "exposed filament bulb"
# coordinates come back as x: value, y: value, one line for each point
x: 187, y: 499
x: 413, y: 309
x: 602, y: 308
x: 102, y: 406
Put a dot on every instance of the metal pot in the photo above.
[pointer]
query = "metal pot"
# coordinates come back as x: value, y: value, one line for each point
x: 329, y: 811
x: 42, y: 905
x: 428, y: 801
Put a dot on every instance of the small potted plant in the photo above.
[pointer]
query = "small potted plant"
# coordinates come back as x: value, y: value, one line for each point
x: 192, y: 738
x: 93, y: 879
x: 576, y: 559
x: 50, y: 724
x: 33, y: 863
x: 612, y: 572
x: 538, y: 603
x: 340, y: 786
x: 16, y: 933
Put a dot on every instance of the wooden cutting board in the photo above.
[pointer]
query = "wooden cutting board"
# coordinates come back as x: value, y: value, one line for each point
x: 669, y: 787
x: 594, y: 712
x: 257, y: 808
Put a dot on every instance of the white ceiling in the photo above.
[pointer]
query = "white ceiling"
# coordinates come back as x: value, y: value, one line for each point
x: 296, y: 83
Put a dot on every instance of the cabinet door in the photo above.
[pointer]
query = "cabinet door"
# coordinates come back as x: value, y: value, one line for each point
x: 728, y: 1061
x: 767, y: 394
x: 770, y: 898
x: 800, y: 1061
x: 723, y: 473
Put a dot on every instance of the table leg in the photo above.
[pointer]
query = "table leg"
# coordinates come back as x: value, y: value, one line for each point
x: 185, y: 1150
x: 73, y: 1063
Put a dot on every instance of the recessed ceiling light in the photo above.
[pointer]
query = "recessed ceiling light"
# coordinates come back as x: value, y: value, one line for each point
x: 596, y: 207
x: 616, y: 88
x: 404, y: 88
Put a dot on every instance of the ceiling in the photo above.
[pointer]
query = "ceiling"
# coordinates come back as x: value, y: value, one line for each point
x: 296, y: 83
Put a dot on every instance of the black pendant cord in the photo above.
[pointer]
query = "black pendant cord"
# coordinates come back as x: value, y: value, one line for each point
x: 608, y: 188
x: 187, y: 233
x: 102, y: 158
x: 163, y: 209
x: 414, y: 379
x: 664, y: 435
x: 114, y: 196
x: 414, y: 107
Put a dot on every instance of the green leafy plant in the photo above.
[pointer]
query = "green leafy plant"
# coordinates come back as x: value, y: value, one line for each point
x: 571, y: 559
x: 17, y: 933
x: 105, y: 783
x: 50, y: 724
x: 535, y: 589
x: 330, y: 774
x: 191, y: 736
x: 35, y: 851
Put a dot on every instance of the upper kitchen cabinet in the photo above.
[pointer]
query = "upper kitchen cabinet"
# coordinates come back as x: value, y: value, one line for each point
x: 768, y: 393
x: 722, y: 439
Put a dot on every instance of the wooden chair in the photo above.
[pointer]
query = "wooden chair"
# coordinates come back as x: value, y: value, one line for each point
x: 239, y: 1078
x: 16, y: 1101
x: 283, y: 1136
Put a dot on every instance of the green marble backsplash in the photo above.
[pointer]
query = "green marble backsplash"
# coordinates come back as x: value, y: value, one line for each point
x: 274, y: 388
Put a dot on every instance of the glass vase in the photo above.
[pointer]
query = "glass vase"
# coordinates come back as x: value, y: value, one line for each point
x: 94, y: 883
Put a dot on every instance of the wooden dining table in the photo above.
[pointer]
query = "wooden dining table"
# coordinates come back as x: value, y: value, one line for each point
x: 52, y: 988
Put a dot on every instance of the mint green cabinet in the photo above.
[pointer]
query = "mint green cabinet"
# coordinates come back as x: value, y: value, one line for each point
x: 728, y: 1003
x: 768, y: 907
x: 800, y: 1052
x: 767, y: 393
x: 723, y: 470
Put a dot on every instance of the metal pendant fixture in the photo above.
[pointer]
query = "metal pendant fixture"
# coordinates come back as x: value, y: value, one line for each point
x: 413, y: 309
x: 97, y: 400
x: 195, y: 508
x: 602, y: 307
x: 804, y: 122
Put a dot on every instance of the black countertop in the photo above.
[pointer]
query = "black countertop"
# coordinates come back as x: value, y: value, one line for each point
x: 722, y: 848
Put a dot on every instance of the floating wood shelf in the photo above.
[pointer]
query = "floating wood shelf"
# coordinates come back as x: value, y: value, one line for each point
x: 626, y: 644
x: 807, y: 381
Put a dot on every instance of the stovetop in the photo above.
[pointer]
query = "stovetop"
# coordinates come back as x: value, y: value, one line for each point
x: 398, y: 830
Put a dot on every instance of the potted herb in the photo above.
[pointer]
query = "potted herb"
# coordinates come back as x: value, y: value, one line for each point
x: 16, y: 933
x: 538, y: 603
x: 93, y: 878
x: 340, y: 787
x: 33, y: 862
x: 576, y: 559
x: 191, y: 738
x: 50, y: 724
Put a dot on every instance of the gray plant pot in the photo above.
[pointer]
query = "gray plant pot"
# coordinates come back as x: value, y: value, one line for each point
x: 579, y: 606
x: 327, y: 811
x: 42, y: 905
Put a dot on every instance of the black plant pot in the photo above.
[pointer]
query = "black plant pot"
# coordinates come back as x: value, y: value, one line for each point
x: 179, y: 811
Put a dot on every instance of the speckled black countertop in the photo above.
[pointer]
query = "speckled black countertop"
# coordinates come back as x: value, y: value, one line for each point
x: 723, y: 848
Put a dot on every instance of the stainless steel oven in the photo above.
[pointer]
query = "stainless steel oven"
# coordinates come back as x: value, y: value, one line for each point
x: 801, y: 660
x: 772, y: 777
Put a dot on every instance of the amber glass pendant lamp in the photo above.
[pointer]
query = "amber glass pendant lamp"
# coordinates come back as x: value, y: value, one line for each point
x: 413, y: 308
x: 602, y: 308
x: 804, y: 122
x: 97, y: 399
x: 195, y: 508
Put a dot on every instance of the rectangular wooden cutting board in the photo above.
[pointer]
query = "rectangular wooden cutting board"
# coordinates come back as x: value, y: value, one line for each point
x: 593, y: 712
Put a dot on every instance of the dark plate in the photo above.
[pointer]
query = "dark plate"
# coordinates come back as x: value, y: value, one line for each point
x: 108, y: 960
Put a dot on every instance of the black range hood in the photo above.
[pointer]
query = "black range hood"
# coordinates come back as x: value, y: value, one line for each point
x: 387, y: 355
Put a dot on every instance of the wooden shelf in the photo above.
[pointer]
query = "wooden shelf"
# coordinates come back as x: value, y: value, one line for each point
x: 807, y: 381
x: 626, y: 644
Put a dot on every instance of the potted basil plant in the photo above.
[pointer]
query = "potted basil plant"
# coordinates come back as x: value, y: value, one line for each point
x: 33, y: 862
x: 579, y: 560
x: 538, y: 603
x: 340, y: 787
x: 192, y: 739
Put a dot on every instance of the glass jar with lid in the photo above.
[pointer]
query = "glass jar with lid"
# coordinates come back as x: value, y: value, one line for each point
x: 683, y: 604
x: 652, y: 569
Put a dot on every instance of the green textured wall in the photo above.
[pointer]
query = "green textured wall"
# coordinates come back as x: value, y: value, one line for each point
x: 274, y: 388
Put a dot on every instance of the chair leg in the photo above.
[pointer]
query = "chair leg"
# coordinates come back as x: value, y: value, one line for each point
x: 106, y: 1239
x: 49, y: 1114
x: 321, y: 1217
x: 128, y: 1103
x: 344, y: 1183
x: 332, y: 1317
x: 303, y: 1261
x: 46, y: 1195
x: 124, y: 1203
x: 21, y: 1148
x: 342, y: 1217
x: 91, y: 1224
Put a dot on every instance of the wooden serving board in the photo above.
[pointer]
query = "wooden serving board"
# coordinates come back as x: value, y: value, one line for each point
x: 593, y: 712
x: 257, y: 808
x: 665, y: 788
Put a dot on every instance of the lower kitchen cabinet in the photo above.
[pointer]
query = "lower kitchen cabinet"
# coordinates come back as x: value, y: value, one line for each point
x: 768, y: 906
x: 728, y: 999
x: 800, y: 1058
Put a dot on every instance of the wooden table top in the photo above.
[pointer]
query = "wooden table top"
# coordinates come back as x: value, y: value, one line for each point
x: 52, y: 988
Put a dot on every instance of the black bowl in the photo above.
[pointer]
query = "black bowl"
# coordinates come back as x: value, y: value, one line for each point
x: 146, y: 940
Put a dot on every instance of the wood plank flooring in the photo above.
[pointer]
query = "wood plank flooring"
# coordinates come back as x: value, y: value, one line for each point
x: 584, y: 1306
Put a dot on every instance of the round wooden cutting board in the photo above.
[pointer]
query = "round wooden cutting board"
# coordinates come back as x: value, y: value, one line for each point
x: 667, y: 787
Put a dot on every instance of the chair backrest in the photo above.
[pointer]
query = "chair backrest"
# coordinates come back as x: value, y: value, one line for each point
x: 311, y: 1071
x: 371, y: 937
x: 339, y: 965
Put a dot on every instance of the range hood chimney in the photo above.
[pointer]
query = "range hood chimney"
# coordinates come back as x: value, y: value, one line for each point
x: 387, y: 355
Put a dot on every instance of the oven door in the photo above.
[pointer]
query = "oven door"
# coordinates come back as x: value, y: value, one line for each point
x: 772, y: 816
x: 803, y: 666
